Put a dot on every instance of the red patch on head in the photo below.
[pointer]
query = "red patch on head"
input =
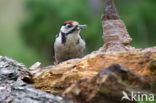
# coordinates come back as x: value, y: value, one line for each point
x: 70, y: 21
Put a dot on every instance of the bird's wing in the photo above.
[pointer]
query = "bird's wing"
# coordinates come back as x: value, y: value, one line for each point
x: 53, y: 51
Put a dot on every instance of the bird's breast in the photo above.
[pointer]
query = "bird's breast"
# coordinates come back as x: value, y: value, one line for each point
x: 73, y: 48
x: 71, y: 39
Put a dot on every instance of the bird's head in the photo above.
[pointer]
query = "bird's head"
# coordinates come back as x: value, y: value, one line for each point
x: 71, y: 26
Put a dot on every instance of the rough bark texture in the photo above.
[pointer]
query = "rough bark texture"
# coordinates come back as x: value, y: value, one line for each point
x: 115, y: 34
x: 108, y: 83
x: 116, y: 37
x: 110, y: 12
x: 13, y: 89
x: 58, y: 78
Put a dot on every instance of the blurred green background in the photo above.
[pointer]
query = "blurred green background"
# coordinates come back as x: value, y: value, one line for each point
x: 28, y: 27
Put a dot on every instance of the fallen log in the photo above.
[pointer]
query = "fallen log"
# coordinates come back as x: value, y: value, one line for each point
x: 106, y: 73
x: 15, y: 89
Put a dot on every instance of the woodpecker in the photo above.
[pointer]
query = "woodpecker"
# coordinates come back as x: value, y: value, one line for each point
x: 68, y: 43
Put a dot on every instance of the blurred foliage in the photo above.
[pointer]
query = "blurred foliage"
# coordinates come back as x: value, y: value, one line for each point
x: 28, y: 27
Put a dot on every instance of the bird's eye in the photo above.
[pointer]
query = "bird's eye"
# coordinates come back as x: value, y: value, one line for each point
x: 69, y: 26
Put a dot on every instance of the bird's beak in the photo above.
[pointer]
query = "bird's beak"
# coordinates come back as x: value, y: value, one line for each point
x: 81, y: 27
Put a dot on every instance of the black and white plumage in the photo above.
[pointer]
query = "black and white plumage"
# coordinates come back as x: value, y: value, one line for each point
x: 68, y: 43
